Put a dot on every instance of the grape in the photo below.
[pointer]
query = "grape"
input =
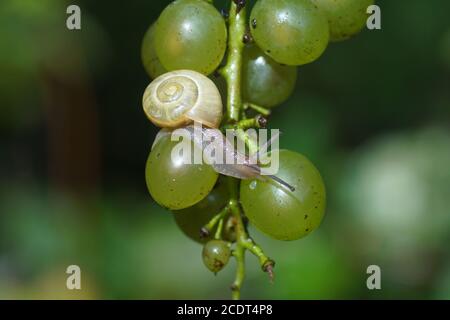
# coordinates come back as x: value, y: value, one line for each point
x: 279, y: 212
x: 149, y: 58
x: 216, y: 254
x: 292, y: 32
x: 191, y: 34
x: 173, y: 184
x: 221, y: 85
x: 266, y: 82
x: 192, y: 219
x: 346, y: 17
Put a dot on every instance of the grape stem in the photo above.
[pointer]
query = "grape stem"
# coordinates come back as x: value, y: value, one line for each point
x: 243, y: 243
x: 206, y: 230
x: 232, y: 72
x: 259, y: 109
x: 256, y: 122
x: 219, y: 230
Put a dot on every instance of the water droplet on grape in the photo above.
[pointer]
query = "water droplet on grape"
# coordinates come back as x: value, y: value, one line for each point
x: 253, y: 184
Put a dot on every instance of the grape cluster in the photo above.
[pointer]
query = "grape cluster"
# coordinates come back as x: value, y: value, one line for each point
x: 253, y: 61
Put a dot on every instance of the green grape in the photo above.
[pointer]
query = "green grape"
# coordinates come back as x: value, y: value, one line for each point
x: 266, y: 82
x: 171, y: 183
x: 191, y: 34
x: 216, y: 254
x: 192, y: 219
x: 221, y: 85
x: 149, y: 58
x: 346, y: 17
x: 279, y: 212
x: 292, y: 32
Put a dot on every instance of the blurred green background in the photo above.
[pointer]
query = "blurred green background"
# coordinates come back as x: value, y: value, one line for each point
x: 372, y: 113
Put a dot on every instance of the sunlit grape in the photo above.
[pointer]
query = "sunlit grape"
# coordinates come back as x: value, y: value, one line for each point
x: 190, y: 34
x: 172, y: 183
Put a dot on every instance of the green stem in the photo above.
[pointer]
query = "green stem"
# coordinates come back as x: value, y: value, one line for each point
x: 235, y: 109
x: 259, y: 109
x: 245, y: 124
x: 219, y: 230
x: 251, y: 246
x: 244, y: 242
x: 232, y: 70
x: 240, y: 127
x: 252, y: 144
x: 239, y: 254
x: 217, y: 218
x: 239, y: 251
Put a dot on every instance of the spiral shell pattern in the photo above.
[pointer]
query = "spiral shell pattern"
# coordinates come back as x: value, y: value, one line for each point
x: 180, y: 97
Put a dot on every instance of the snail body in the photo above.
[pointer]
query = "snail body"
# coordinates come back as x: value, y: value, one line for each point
x: 232, y: 162
x: 179, y: 98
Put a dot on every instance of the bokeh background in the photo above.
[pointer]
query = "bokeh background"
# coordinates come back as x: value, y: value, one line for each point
x: 372, y: 113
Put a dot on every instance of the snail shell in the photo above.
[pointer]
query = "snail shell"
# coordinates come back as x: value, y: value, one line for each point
x: 178, y: 98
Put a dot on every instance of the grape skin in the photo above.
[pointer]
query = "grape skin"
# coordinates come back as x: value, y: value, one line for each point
x: 149, y: 57
x: 192, y: 219
x: 279, y: 212
x: 191, y: 34
x: 216, y: 254
x: 171, y: 183
x: 292, y: 32
x: 266, y: 82
x: 345, y: 17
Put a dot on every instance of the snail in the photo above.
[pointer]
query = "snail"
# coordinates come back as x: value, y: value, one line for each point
x: 229, y: 160
x: 181, y: 97
x: 184, y: 97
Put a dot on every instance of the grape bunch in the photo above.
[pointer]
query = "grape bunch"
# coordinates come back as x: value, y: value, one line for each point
x: 228, y: 70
